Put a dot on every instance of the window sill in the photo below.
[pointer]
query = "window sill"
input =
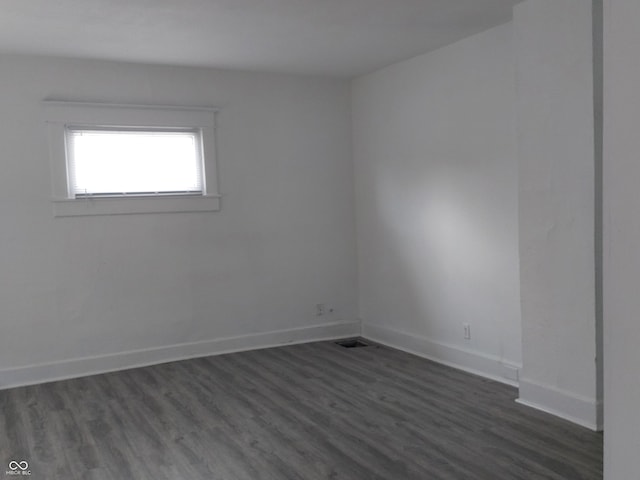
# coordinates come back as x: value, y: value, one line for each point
x: 132, y: 206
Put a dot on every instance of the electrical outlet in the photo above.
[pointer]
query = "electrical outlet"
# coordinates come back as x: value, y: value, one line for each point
x: 321, y: 309
x: 467, y: 331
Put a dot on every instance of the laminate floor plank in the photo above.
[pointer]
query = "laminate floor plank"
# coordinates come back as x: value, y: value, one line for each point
x: 302, y: 412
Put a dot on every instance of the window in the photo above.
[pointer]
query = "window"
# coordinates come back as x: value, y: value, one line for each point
x: 124, y: 159
x: 117, y: 162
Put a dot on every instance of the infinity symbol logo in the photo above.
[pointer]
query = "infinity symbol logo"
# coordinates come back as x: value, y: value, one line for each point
x: 23, y: 465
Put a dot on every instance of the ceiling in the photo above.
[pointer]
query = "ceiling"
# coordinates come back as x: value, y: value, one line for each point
x: 342, y: 38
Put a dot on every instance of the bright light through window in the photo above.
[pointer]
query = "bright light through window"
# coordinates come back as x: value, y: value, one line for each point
x: 118, y: 162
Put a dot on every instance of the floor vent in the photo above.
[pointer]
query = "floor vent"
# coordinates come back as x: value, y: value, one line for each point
x: 352, y: 343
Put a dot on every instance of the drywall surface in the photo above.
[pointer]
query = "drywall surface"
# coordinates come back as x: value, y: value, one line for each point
x: 598, y: 106
x: 437, y: 204
x: 622, y: 239
x: 555, y: 107
x: 284, y: 240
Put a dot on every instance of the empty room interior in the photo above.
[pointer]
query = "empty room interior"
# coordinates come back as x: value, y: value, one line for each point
x: 319, y: 239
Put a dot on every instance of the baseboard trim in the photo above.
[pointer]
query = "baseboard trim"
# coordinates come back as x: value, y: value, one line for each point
x: 80, y: 367
x: 574, y: 408
x: 470, y: 361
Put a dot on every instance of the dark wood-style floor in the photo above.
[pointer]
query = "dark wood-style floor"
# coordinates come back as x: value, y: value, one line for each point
x: 314, y: 411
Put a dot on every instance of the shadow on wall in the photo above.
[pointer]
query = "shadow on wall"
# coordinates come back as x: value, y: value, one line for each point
x: 432, y: 263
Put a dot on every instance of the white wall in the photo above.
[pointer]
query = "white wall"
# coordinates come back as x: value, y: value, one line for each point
x: 95, y: 286
x: 437, y: 204
x: 622, y: 239
x: 556, y: 163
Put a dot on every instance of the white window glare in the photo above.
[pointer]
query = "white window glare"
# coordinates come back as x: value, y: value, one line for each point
x: 112, y: 162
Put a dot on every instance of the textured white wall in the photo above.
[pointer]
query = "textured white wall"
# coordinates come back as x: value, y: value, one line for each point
x: 283, y: 241
x: 437, y: 203
x: 556, y: 162
x: 622, y: 240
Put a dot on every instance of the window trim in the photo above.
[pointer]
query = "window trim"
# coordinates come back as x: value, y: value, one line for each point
x: 60, y: 114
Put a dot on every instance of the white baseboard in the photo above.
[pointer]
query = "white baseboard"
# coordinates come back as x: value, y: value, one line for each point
x: 471, y: 361
x: 575, y: 408
x: 80, y: 367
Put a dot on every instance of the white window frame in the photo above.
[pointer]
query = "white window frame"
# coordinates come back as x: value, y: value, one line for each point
x: 60, y: 114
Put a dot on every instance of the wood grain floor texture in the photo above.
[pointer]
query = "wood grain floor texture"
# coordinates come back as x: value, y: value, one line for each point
x: 313, y: 411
